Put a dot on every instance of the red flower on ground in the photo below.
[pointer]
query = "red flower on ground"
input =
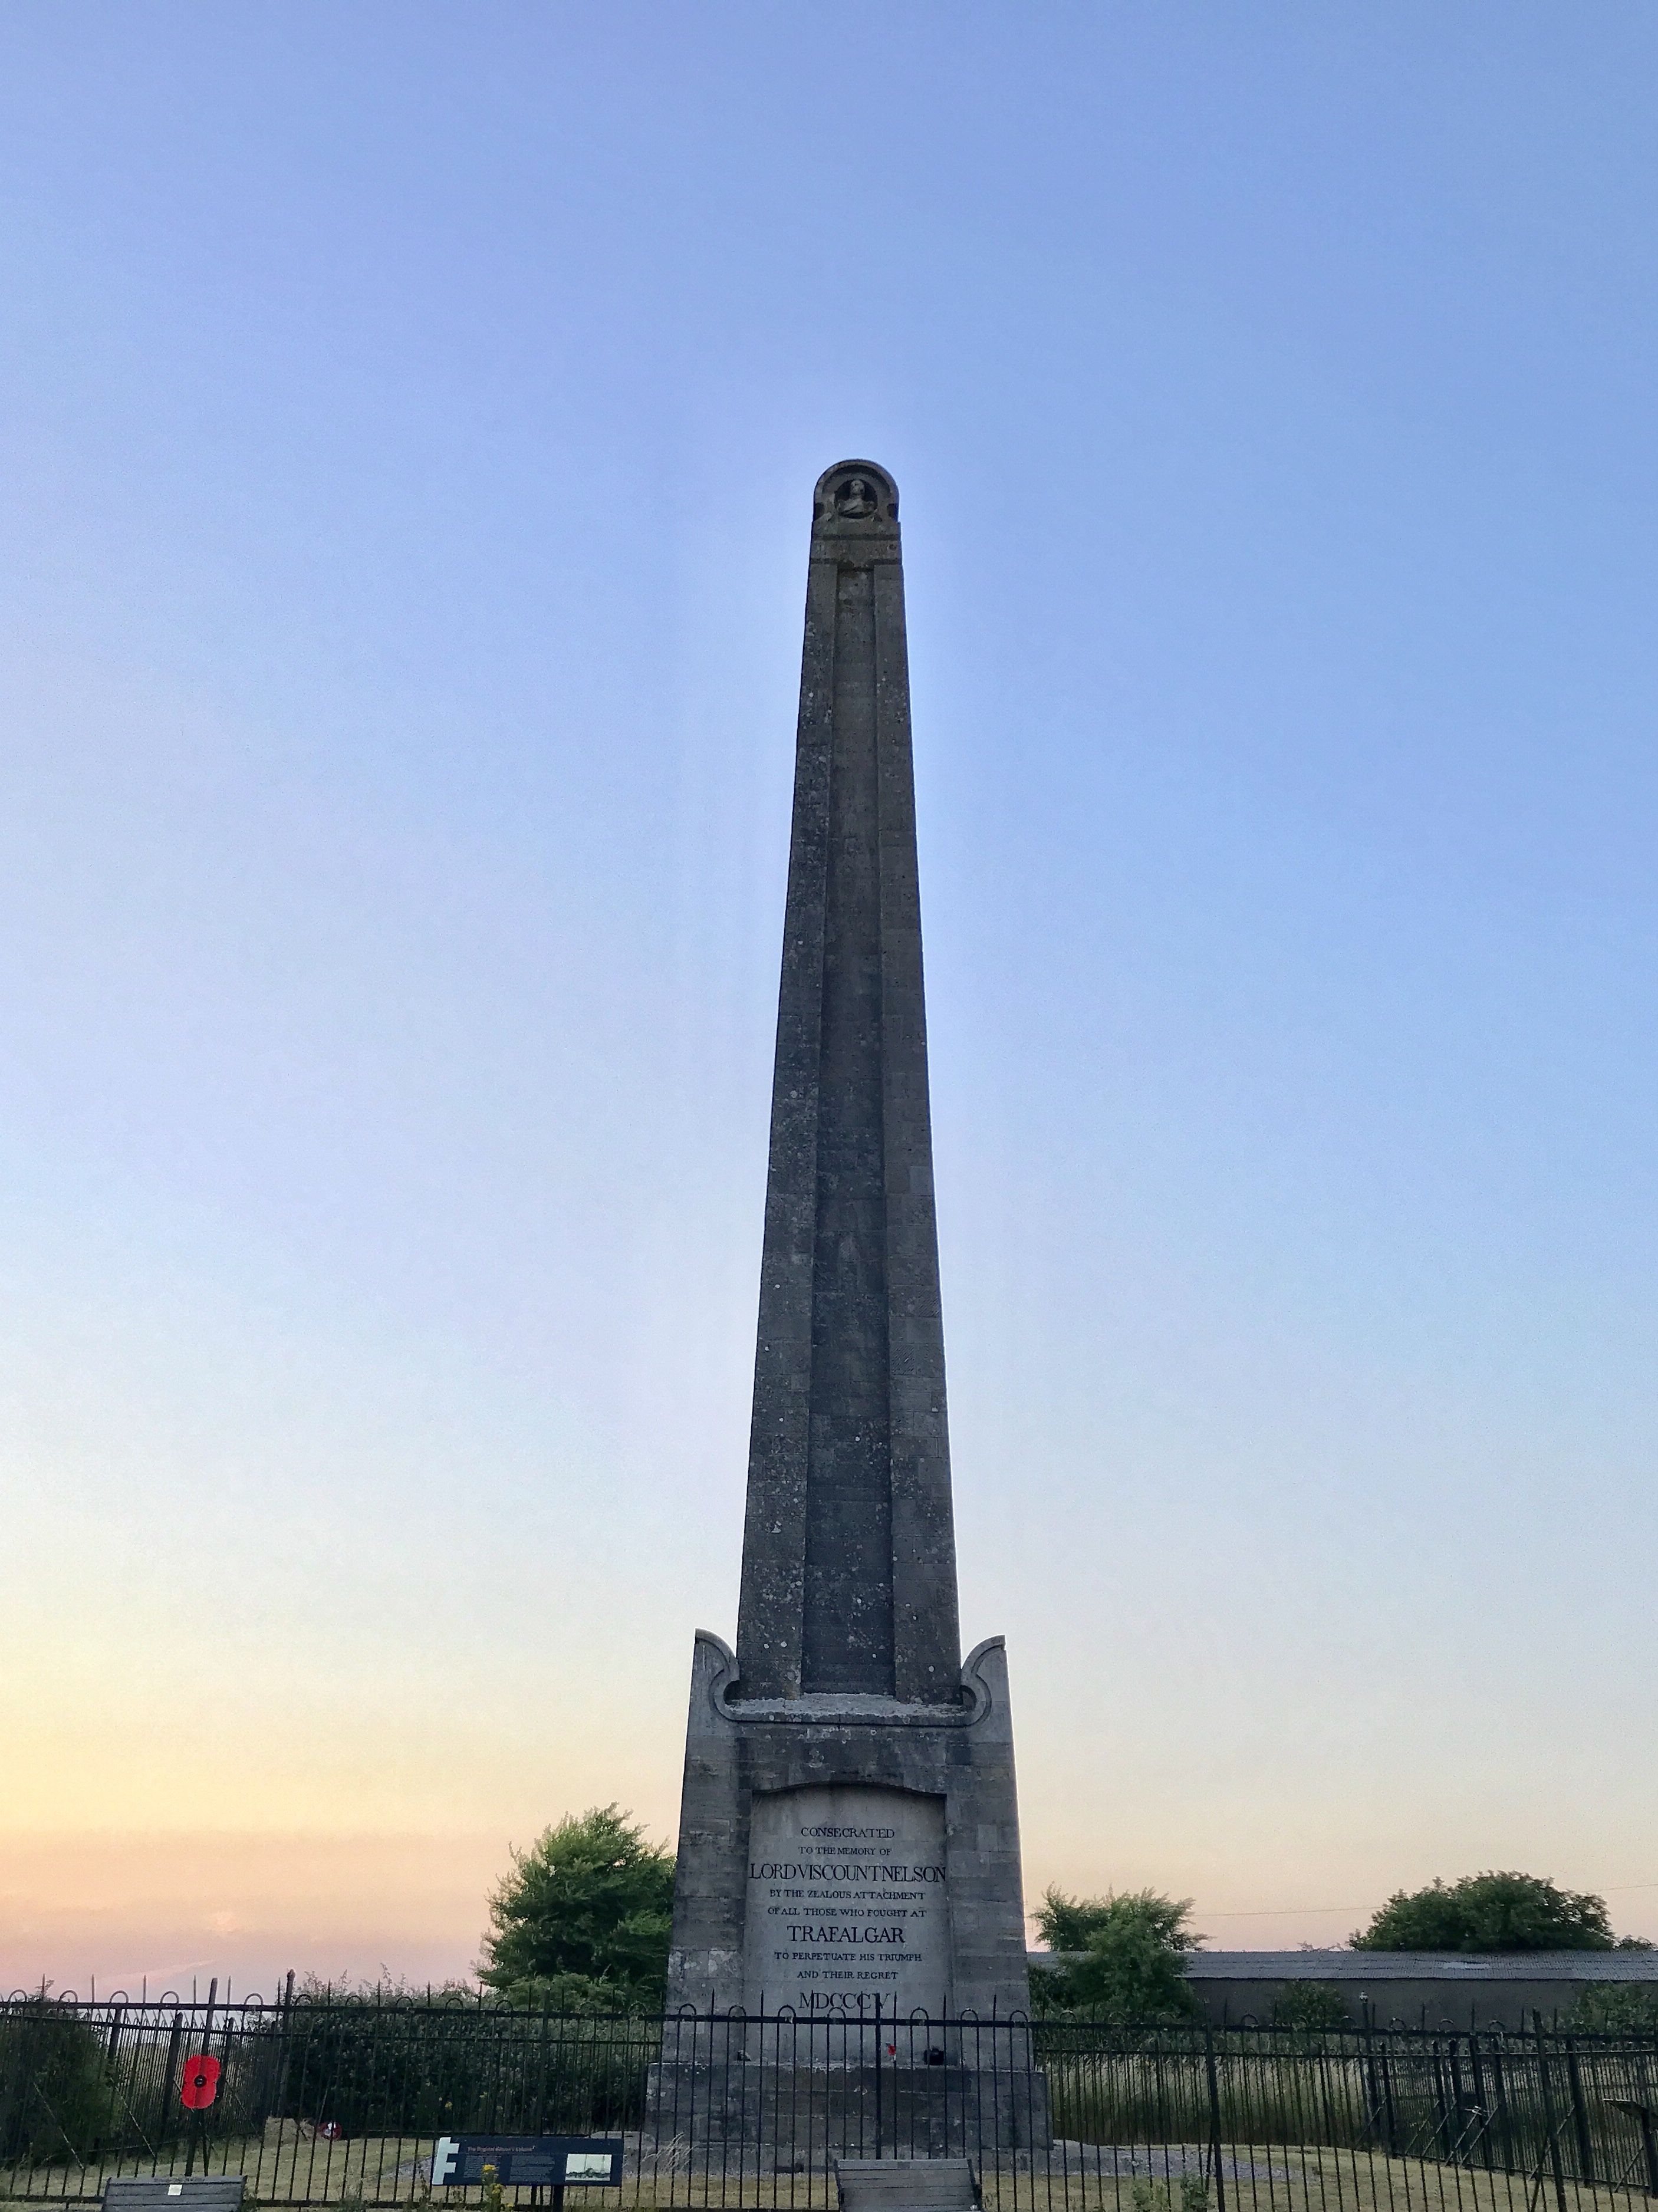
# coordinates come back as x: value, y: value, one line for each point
x: 201, y: 2082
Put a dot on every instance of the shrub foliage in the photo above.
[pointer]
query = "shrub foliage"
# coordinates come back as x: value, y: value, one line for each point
x: 54, y: 2102
x: 582, y: 1921
x: 1315, y: 2007
x: 1120, y: 1959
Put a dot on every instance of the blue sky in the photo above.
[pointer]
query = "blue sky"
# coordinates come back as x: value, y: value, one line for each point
x: 408, y: 420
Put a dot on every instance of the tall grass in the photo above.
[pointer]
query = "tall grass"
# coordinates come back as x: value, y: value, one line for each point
x: 1497, y: 2101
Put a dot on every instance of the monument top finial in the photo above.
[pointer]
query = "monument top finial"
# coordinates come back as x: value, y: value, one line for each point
x: 855, y: 491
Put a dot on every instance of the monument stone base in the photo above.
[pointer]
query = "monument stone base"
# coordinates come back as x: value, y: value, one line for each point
x: 788, y: 2114
x: 839, y: 1851
x: 848, y: 1937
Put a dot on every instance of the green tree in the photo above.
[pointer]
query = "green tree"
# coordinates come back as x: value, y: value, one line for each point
x: 1117, y: 1958
x: 582, y: 1921
x: 1489, y: 1912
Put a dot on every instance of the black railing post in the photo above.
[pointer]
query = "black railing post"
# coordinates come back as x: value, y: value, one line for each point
x: 1504, y: 2116
x: 1390, y: 2107
x: 1455, y: 2146
x: 1444, y: 2138
x: 1372, y: 2089
x: 170, y: 2074
x: 1547, y: 2089
x: 1649, y: 2144
x: 1214, y: 2115
x: 1482, y: 2106
x: 220, y: 2110
x: 284, y: 2047
x: 1580, y: 2118
x: 877, y: 2077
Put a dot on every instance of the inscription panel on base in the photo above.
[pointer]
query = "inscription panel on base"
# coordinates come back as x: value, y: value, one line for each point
x: 847, y: 1900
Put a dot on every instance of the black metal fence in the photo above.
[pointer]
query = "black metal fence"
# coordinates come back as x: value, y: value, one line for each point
x: 339, y: 2101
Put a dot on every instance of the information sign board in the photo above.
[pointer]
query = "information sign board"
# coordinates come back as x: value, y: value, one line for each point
x: 521, y: 2161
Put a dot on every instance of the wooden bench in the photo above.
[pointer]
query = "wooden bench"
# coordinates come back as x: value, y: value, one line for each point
x: 906, y: 2184
x: 204, y: 2192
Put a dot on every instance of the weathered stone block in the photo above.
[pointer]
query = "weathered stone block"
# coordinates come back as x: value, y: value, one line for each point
x: 923, y: 1910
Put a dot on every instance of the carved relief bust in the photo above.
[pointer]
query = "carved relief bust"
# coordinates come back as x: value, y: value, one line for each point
x: 856, y: 492
x: 855, y: 500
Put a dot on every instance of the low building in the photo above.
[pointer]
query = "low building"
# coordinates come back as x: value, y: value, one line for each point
x: 1410, y: 1988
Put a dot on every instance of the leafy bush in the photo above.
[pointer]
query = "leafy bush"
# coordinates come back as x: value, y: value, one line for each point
x: 1489, y: 1912
x: 54, y: 2101
x: 1312, y: 2006
x: 1119, y: 1959
x: 374, y: 2064
x: 582, y: 1923
x: 1616, y: 2008
x: 370, y: 2066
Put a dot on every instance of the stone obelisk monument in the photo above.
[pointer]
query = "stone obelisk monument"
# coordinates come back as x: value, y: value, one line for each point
x: 849, y: 1830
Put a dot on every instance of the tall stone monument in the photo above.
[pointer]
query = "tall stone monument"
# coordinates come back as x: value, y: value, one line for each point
x: 849, y: 1831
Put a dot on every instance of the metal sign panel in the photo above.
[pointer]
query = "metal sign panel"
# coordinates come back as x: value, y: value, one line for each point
x: 519, y: 2161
